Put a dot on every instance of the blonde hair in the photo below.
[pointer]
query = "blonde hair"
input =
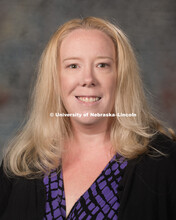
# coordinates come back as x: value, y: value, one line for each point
x: 38, y: 147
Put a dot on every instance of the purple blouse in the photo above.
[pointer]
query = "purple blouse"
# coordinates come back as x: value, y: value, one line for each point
x: 100, y: 201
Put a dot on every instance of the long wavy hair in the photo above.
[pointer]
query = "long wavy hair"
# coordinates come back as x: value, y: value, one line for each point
x: 37, y: 148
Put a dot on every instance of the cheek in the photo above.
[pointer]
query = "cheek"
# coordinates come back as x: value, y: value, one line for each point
x: 66, y: 85
x: 110, y: 85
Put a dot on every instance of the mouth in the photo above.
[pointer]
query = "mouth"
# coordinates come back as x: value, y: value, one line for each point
x: 88, y: 99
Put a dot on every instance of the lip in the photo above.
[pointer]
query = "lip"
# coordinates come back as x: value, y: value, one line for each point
x: 88, y: 96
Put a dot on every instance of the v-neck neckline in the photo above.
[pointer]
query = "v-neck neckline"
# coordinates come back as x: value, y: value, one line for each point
x: 62, y: 179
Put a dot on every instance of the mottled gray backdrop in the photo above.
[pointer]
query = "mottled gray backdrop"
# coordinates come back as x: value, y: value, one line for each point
x: 26, y: 26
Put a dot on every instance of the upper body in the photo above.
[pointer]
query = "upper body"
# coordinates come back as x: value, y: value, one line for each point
x: 146, y: 191
x: 89, y: 69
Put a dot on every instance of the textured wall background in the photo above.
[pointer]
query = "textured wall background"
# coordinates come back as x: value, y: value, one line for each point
x: 26, y: 26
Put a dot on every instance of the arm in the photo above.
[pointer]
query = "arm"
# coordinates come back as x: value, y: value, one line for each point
x: 149, y: 187
x: 5, y: 189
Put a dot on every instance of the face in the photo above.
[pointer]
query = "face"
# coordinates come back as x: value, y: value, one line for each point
x: 87, y: 71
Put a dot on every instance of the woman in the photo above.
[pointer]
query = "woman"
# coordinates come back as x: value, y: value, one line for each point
x: 89, y: 167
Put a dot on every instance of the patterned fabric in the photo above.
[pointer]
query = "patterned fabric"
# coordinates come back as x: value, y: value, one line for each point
x: 100, y: 201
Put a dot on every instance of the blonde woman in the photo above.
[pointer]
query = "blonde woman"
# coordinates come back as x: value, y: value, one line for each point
x: 90, y: 149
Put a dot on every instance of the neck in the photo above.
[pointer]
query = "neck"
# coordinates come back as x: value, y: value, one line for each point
x: 89, y: 139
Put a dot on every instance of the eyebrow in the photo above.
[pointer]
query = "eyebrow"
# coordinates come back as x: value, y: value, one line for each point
x: 105, y: 57
x: 99, y: 57
x: 72, y: 58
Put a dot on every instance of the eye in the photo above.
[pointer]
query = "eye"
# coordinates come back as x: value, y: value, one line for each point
x: 73, y: 66
x: 103, y: 65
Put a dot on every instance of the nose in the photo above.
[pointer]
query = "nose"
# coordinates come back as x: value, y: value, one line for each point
x: 88, y: 77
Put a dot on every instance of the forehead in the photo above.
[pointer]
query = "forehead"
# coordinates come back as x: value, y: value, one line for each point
x: 87, y: 41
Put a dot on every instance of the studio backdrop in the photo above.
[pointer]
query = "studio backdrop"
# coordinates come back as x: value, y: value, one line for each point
x: 26, y: 26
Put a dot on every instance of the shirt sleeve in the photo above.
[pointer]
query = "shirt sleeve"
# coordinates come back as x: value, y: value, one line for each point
x: 150, y: 192
x: 172, y: 184
x: 5, y: 190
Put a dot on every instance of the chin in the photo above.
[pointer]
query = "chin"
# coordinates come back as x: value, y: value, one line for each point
x: 88, y: 120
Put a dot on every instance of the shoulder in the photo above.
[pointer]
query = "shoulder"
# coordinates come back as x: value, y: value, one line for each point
x: 5, y: 182
x: 157, y: 169
x: 163, y: 143
x: 5, y: 189
x: 162, y: 151
x: 11, y: 183
x: 150, y: 181
x: 20, y: 188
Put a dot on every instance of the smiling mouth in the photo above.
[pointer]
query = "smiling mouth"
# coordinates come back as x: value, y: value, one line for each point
x: 88, y: 98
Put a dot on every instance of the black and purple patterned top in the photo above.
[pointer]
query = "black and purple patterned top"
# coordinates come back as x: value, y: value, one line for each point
x: 100, y: 201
